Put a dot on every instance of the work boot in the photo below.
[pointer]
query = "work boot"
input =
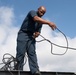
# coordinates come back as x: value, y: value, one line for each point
x: 37, y: 73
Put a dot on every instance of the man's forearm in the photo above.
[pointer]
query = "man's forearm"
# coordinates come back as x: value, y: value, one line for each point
x: 42, y: 21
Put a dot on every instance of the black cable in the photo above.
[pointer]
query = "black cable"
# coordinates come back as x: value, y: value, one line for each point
x: 44, y: 39
x: 52, y: 46
x: 7, y: 62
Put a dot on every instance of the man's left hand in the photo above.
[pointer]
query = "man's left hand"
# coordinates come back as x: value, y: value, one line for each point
x: 36, y: 34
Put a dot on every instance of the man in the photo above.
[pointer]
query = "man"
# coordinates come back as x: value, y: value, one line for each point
x: 29, y: 30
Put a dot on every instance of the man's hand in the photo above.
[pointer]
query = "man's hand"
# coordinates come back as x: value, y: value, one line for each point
x: 36, y: 34
x: 52, y: 25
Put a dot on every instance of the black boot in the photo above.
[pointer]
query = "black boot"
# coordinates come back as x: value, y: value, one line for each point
x: 37, y: 73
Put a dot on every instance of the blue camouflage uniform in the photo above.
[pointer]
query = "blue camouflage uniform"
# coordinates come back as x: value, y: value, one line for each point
x: 26, y: 43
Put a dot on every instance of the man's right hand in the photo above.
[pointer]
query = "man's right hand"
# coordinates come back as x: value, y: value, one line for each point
x: 52, y: 25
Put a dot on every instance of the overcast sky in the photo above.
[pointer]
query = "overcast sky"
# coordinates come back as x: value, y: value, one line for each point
x: 61, y: 12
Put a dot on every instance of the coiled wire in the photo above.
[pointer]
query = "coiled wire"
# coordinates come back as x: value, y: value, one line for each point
x: 44, y: 39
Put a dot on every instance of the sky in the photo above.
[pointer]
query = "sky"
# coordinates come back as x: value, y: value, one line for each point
x: 61, y: 12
